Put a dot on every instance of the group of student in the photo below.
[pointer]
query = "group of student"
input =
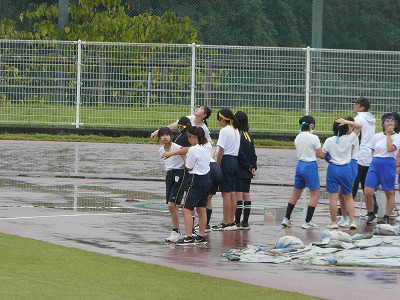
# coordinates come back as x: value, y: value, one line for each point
x: 356, y: 154
x: 195, y: 171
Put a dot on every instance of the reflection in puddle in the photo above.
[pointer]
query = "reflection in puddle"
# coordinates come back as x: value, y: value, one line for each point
x: 84, y: 195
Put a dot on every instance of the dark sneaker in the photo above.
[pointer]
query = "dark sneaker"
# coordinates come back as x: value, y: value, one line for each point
x: 370, y: 218
x: 187, y: 240
x: 200, y: 240
x: 245, y: 226
x: 384, y: 220
x: 208, y: 228
x: 219, y: 227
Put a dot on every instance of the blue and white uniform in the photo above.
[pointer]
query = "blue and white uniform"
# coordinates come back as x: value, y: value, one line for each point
x: 307, y: 168
x: 382, y: 170
x: 339, y: 171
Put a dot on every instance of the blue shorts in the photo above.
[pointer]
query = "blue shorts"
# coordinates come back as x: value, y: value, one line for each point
x: 306, y: 175
x: 230, y: 172
x: 175, y: 185
x: 382, y: 171
x: 196, y: 191
x: 215, y: 178
x: 339, y: 175
x: 243, y: 185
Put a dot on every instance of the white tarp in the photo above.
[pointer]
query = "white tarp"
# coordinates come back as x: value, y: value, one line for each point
x: 335, y: 247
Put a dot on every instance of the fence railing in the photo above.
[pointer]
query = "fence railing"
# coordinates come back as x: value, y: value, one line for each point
x: 144, y: 86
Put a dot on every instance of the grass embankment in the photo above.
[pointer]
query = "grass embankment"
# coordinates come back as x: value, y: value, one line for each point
x: 33, y: 269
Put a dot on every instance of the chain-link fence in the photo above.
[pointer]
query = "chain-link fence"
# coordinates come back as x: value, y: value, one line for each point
x: 144, y: 86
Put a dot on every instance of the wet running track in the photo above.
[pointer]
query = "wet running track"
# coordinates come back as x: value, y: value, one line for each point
x: 108, y: 198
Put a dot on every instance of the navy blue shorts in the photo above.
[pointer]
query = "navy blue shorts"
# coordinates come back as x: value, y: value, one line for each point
x: 175, y: 185
x: 215, y: 178
x: 243, y: 185
x: 196, y: 191
x: 230, y: 172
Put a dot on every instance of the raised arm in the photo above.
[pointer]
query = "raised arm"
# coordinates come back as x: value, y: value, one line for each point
x: 171, y: 126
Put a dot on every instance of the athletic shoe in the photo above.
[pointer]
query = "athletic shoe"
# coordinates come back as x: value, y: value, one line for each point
x: 174, y: 237
x: 208, y: 228
x: 220, y: 227
x: 308, y: 225
x: 332, y: 225
x: 370, y: 218
x: 231, y: 227
x: 384, y: 220
x: 245, y: 226
x: 353, y: 225
x: 200, y: 240
x: 187, y: 240
x: 286, y: 222
x: 344, y: 223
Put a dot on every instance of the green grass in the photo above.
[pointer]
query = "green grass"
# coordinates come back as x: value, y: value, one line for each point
x: 262, y: 120
x: 32, y: 269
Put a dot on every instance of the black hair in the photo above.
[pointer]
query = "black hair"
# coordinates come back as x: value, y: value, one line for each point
x: 340, y: 130
x: 207, y: 111
x: 397, y: 118
x: 199, y: 133
x: 305, y: 122
x: 243, y: 121
x: 227, y: 113
x: 164, y: 131
x: 185, y: 121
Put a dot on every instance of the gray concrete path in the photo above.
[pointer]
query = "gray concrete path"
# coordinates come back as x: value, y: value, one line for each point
x: 99, y: 197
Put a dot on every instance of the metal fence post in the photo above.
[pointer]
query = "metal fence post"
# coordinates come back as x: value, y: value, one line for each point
x: 78, y: 84
x: 148, y: 88
x: 193, y: 79
x: 308, y: 76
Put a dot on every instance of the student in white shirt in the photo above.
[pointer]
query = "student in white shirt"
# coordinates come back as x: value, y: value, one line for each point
x: 339, y: 170
x: 198, y: 166
x: 382, y: 171
x: 308, y: 148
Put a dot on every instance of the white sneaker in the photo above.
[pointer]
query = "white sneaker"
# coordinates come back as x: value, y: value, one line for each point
x: 174, y: 237
x: 344, y: 223
x: 332, y: 225
x: 286, y: 222
x: 310, y: 224
x: 353, y: 225
x: 231, y: 227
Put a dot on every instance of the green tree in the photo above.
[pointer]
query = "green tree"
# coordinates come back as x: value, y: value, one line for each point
x: 101, y: 20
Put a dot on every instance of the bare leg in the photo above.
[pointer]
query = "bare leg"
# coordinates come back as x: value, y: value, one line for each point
x: 369, y: 198
x: 390, y: 202
x: 295, y: 196
x: 201, y: 212
x: 233, y: 208
x: 187, y: 217
x: 342, y: 203
x: 333, y: 197
x: 226, y: 206
x: 349, y: 206
x: 315, y: 194
x: 173, y: 210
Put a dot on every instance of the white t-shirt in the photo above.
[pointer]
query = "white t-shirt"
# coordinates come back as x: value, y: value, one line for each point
x: 198, y: 159
x: 367, y: 120
x: 204, y: 126
x: 229, y: 140
x: 173, y: 162
x: 340, y: 149
x: 355, y: 150
x: 306, y: 144
x: 378, y: 144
